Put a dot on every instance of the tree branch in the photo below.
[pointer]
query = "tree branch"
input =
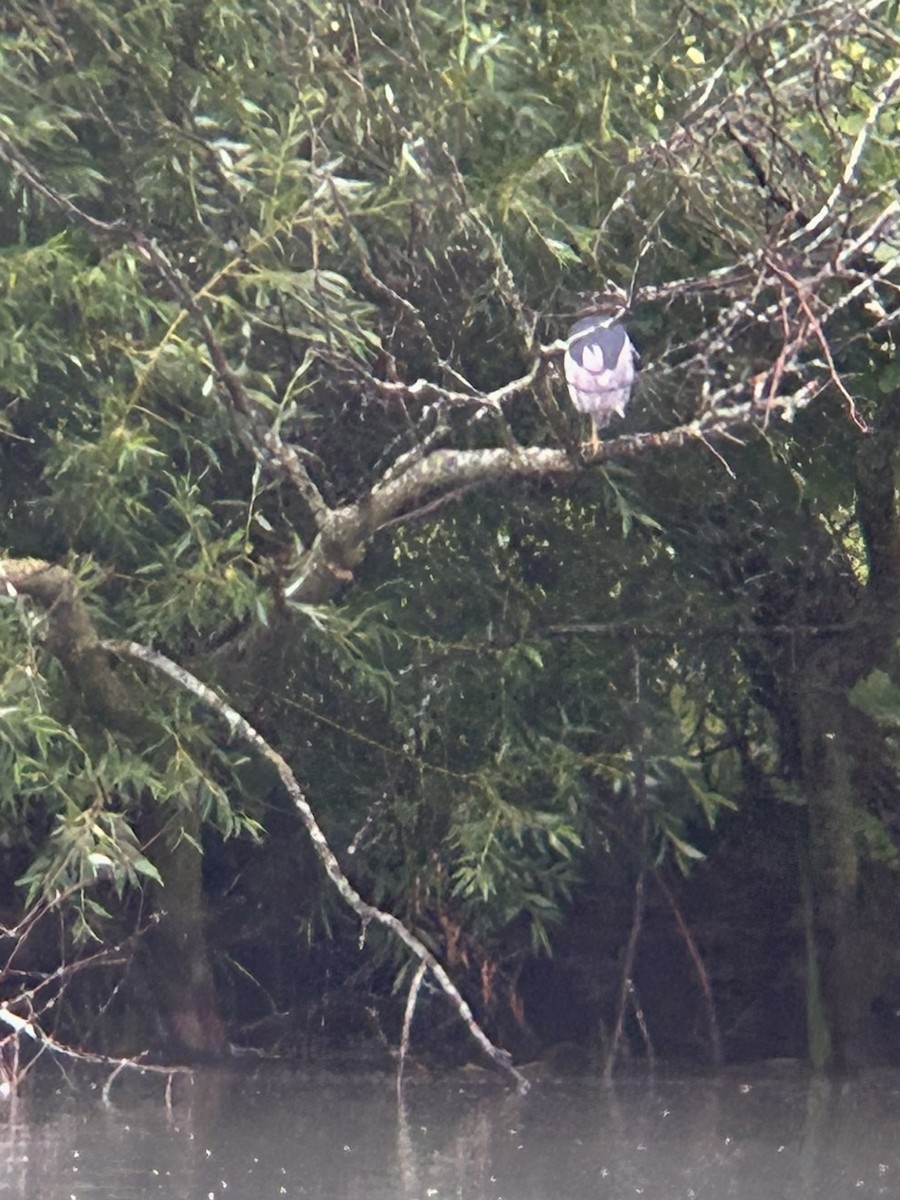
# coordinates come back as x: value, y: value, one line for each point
x: 256, y: 434
x: 366, y: 912
x: 341, y: 544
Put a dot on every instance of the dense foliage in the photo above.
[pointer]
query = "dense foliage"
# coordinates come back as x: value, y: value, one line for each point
x: 278, y: 397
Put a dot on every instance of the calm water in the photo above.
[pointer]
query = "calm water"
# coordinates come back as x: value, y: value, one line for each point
x: 750, y: 1134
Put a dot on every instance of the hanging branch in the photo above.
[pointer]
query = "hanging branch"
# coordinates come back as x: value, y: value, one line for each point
x: 715, y: 1041
x: 366, y: 912
x: 626, y: 992
x: 411, y: 1001
x: 12, y: 1072
x: 641, y: 1024
x: 627, y: 974
x: 44, y: 995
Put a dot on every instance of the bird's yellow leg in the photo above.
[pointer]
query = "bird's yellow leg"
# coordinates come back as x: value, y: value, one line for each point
x: 593, y: 441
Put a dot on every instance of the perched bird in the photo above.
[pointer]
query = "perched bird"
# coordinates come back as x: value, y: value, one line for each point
x: 599, y: 366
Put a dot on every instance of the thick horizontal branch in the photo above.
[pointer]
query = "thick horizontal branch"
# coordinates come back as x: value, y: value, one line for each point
x: 341, y: 544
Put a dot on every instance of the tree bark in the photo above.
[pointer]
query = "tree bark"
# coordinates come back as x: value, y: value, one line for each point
x: 826, y: 770
x: 182, y: 971
x: 837, y: 755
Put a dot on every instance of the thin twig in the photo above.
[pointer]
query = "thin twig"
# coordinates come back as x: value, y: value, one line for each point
x: 627, y: 974
x: 641, y: 1024
x: 715, y: 1041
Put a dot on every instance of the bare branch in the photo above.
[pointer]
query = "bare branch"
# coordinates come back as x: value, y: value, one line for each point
x: 882, y: 99
x: 366, y: 912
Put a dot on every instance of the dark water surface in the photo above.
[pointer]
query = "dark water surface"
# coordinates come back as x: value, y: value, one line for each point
x: 754, y: 1134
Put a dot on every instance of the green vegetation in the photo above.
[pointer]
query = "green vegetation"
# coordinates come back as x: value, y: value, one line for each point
x: 279, y: 286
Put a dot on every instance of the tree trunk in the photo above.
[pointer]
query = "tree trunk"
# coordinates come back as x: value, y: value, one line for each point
x: 181, y: 966
x: 835, y: 963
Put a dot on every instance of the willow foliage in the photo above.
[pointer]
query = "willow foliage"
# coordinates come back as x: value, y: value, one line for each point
x: 276, y: 279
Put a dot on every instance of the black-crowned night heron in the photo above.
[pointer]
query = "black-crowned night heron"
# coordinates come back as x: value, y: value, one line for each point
x: 599, y: 366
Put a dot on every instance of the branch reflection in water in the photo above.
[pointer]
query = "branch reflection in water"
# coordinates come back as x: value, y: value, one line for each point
x: 755, y: 1133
